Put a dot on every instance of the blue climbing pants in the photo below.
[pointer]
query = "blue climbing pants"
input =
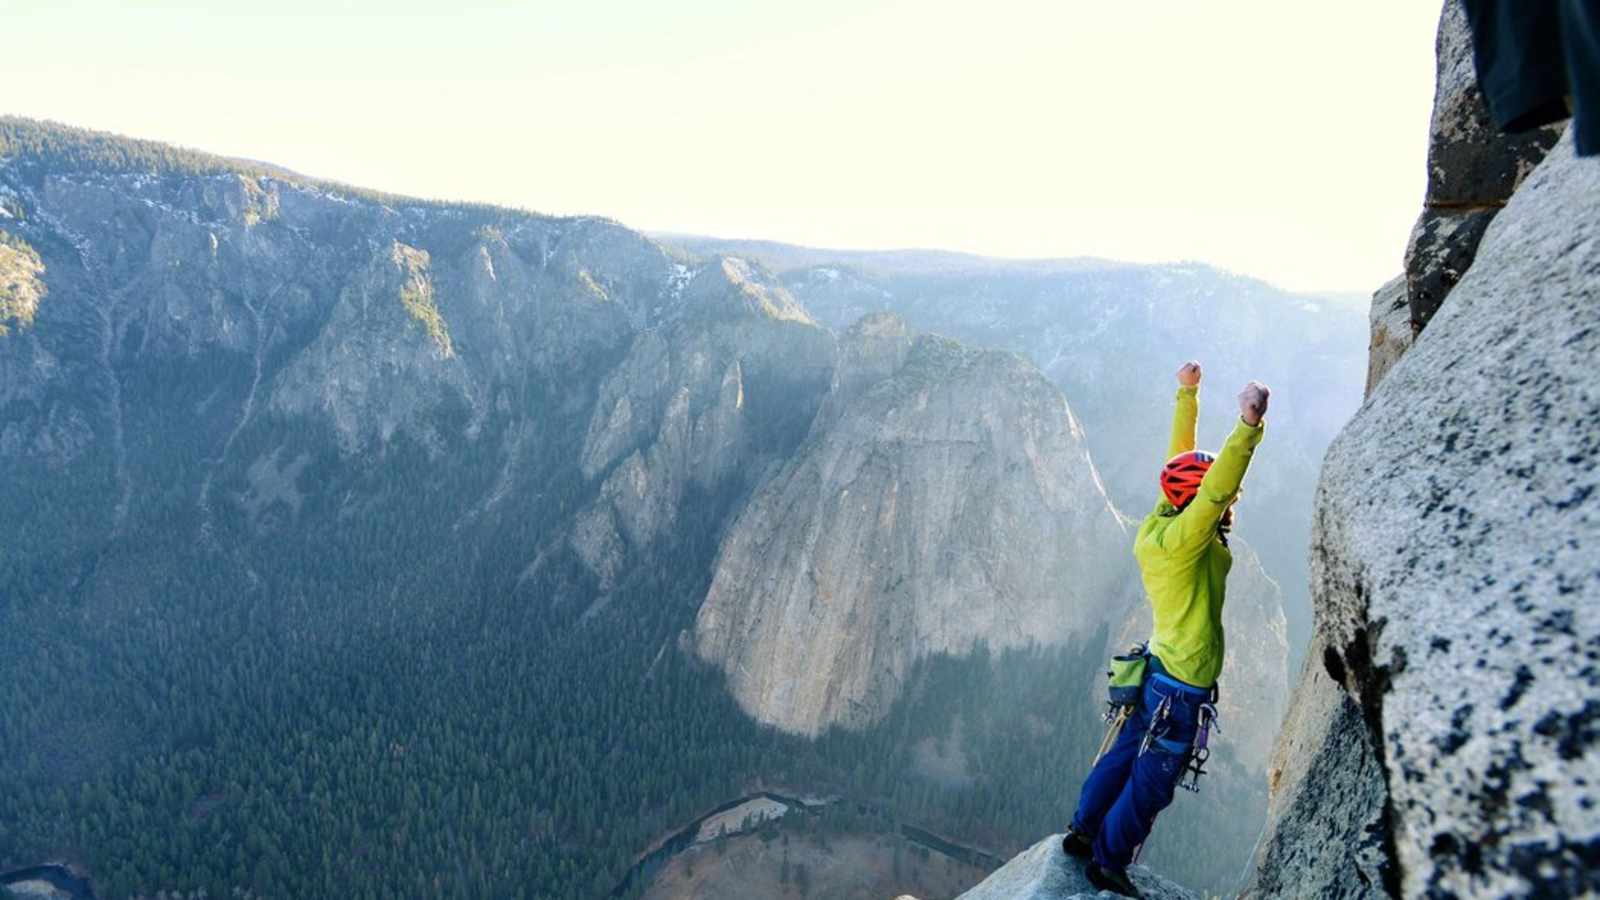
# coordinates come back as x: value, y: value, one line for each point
x: 1126, y: 789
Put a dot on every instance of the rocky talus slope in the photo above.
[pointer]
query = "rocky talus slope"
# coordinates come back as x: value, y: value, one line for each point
x: 944, y: 497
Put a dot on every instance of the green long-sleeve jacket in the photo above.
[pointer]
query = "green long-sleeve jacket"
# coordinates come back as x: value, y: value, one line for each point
x: 1184, y: 562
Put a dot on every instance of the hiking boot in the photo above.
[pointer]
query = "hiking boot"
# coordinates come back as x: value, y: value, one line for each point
x: 1108, y: 880
x: 1076, y: 844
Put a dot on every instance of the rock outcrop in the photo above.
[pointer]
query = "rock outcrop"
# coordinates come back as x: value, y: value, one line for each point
x: 1445, y: 738
x: 1390, y: 320
x: 1472, y: 171
x: 944, y: 498
x: 1340, y: 846
x: 708, y: 402
x: 1044, y: 872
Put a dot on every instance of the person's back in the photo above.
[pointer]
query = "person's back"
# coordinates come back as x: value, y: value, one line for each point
x: 1183, y: 557
x: 1183, y: 552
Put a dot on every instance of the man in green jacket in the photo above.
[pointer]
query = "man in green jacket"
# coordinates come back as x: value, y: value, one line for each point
x: 1182, y: 550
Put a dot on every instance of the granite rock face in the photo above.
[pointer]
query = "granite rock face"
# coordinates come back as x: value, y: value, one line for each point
x: 1472, y: 171
x: 1044, y: 872
x: 949, y: 502
x: 331, y: 300
x: 1454, y: 574
x: 195, y: 307
x: 1391, y: 331
x: 707, y: 402
x: 1339, y: 846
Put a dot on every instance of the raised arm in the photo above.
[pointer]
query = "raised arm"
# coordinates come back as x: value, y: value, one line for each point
x: 1194, y: 526
x: 1185, y: 411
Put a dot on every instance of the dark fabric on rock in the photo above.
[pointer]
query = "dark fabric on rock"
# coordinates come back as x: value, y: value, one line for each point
x: 1533, y: 57
x: 1580, y: 30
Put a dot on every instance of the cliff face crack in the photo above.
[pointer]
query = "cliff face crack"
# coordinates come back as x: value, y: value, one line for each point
x: 1368, y: 683
x: 1465, y: 206
x: 247, y: 409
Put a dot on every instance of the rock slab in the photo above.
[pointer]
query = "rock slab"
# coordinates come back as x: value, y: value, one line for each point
x: 1044, y: 872
x: 1391, y: 331
x: 947, y: 502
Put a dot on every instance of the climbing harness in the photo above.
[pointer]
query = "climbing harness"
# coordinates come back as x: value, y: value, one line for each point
x: 1197, y: 751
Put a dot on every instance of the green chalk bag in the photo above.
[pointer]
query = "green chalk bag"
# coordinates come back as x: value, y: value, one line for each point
x: 1127, y: 675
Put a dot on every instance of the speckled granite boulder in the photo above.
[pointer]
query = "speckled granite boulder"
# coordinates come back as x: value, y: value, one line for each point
x: 1043, y: 872
x: 1328, y: 828
x: 1454, y: 573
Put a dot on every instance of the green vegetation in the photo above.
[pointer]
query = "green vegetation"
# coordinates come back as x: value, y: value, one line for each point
x: 21, y: 287
x: 416, y: 295
x: 592, y: 286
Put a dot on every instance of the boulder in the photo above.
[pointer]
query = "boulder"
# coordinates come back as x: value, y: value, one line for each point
x: 1391, y: 330
x: 1044, y: 872
x: 1457, y: 595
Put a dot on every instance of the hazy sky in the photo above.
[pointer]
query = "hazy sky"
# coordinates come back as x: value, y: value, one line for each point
x: 1280, y: 139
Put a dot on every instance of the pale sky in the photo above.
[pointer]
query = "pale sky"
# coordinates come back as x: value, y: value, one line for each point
x: 1281, y: 139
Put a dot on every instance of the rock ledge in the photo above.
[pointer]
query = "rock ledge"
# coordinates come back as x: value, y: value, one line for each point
x: 1044, y: 872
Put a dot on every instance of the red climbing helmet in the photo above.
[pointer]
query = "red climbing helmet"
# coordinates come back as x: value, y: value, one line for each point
x: 1180, y: 477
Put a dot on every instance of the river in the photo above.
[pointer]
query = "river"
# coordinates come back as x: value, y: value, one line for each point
x: 63, y: 884
x: 689, y: 835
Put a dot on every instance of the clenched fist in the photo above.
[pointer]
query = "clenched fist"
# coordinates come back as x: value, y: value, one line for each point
x: 1189, y: 374
x: 1253, y: 403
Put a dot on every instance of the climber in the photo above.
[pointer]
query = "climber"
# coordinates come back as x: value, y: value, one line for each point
x: 1183, y: 556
